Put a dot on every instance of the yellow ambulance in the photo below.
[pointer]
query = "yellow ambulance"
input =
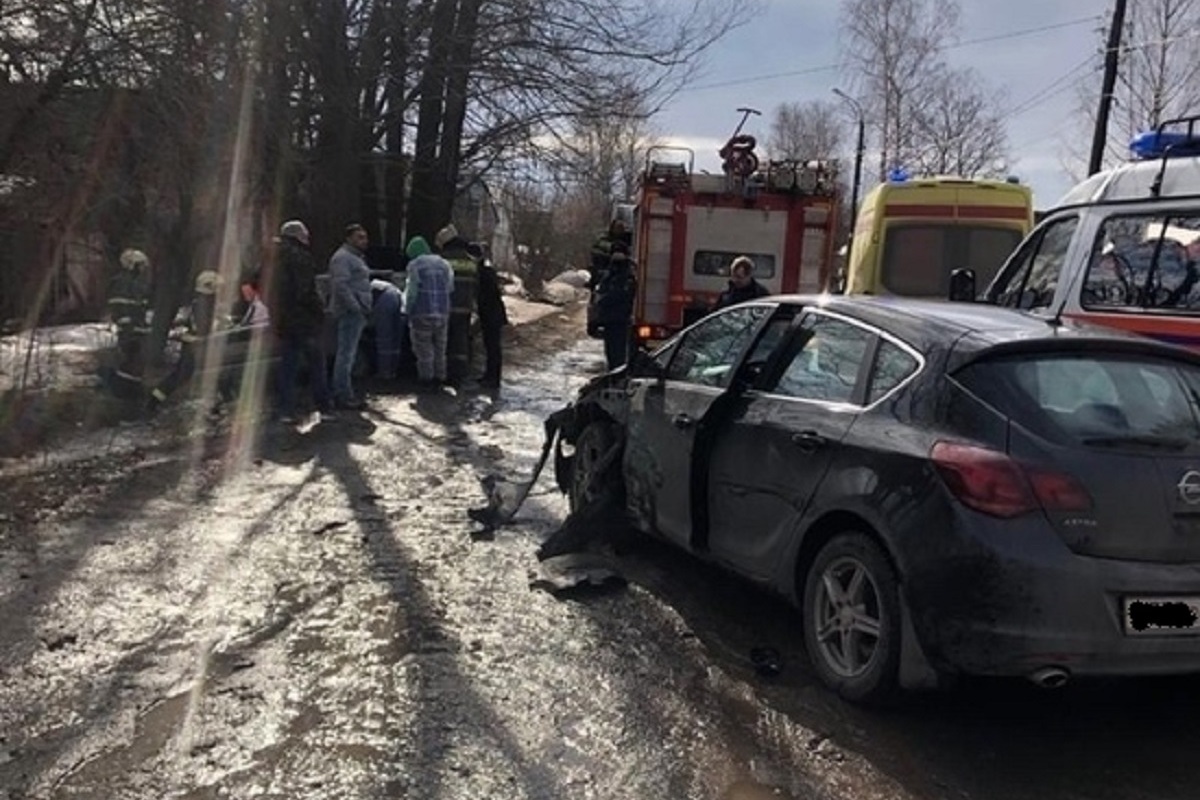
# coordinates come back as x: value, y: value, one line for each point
x: 910, y: 235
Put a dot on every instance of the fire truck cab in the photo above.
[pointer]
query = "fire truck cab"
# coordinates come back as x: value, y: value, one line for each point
x: 688, y: 228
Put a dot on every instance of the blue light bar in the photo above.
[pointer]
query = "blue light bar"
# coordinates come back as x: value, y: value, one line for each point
x: 897, y: 175
x: 1154, y: 144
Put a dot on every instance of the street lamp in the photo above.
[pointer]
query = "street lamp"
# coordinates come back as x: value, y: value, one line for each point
x: 858, y: 159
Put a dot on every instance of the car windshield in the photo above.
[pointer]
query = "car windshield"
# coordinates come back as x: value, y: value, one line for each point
x: 918, y: 259
x: 1097, y: 400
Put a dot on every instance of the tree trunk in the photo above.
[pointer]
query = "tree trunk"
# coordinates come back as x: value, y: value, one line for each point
x: 425, y: 214
x: 455, y: 111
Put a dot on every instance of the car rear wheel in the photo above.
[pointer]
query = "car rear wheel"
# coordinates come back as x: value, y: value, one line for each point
x: 852, y: 618
x: 596, y: 469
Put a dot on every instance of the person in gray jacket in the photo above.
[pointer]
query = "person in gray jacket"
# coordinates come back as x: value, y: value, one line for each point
x: 350, y: 305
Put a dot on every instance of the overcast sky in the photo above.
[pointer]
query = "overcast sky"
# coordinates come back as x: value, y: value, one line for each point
x: 1043, y: 73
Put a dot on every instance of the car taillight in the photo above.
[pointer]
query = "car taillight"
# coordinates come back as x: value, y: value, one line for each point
x: 991, y: 482
x: 1058, y: 492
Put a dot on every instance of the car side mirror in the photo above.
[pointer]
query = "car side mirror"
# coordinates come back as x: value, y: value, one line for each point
x: 962, y: 285
x: 643, y: 365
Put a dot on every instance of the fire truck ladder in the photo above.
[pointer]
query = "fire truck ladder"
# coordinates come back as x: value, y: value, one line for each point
x: 669, y: 176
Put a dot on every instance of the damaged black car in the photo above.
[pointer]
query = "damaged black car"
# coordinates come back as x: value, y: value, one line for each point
x: 941, y: 489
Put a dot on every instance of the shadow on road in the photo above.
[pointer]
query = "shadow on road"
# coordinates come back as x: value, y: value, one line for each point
x: 984, y: 740
x: 439, y: 684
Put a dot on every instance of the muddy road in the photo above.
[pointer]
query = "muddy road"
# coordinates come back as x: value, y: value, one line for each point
x: 308, y: 614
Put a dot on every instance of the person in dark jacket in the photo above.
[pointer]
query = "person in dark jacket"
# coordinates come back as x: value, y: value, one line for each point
x: 298, y: 315
x: 200, y: 323
x: 616, y: 238
x: 128, y: 307
x: 742, y: 286
x: 453, y: 248
x: 492, y: 317
x: 613, y: 308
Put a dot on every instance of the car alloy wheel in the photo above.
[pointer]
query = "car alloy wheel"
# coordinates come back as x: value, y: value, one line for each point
x: 852, y: 618
x: 847, y: 617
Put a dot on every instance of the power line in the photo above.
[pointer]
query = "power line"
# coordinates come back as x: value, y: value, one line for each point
x: 1053, y: 89
x: 833, y: 67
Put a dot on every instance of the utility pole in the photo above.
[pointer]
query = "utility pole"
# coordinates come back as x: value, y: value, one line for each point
x: 858, y: 159
x: 1112, y: 58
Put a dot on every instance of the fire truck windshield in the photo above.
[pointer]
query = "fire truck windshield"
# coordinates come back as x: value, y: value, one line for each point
x: 715, y: 263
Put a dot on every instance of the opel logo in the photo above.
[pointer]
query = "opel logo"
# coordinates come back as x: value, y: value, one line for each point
x: 1189, y: 487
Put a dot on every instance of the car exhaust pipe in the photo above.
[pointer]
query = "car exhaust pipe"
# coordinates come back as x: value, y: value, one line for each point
x: 1050, y: 677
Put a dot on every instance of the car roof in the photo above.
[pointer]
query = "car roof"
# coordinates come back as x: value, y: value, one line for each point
x: 1132, y: 182
x: 975, y: 327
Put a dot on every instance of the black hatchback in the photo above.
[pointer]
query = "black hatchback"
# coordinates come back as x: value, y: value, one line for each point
x: 942, y: 489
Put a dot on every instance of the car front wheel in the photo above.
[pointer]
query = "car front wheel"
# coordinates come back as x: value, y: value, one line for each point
x: 596, y: 469
x: 852, y: 618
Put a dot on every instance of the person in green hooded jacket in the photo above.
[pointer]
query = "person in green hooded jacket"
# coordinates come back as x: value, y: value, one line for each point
x: 427, y: 290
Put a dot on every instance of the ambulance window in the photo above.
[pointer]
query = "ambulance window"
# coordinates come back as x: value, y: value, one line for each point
x: 914, y: 260
x: 918, y: 259
x: 1145, y: 261
x: 1032, y: 278
x: 715, y: 263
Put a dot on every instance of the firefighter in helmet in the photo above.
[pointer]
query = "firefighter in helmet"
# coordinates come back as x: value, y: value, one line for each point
x: 129, y: 307
x: 616, y: 238
x: 453, y: 248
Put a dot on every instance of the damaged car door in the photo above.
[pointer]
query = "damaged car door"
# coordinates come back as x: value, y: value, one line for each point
x: 767, y: 464
x: 666, y: 414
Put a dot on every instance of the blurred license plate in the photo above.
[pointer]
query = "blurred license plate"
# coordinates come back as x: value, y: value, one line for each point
x: 1162, y: 616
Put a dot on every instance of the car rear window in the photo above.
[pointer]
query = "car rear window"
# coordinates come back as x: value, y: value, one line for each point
x: 1116, y: 401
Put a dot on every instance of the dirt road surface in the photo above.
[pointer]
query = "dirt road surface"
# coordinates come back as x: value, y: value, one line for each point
x: 307, y: 615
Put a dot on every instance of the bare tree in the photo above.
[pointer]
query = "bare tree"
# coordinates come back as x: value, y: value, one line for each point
x: 805, y: 131
x: 532, y: 67
x: 1158, y: 77
x: 893, y: 49
x: 959, y: 127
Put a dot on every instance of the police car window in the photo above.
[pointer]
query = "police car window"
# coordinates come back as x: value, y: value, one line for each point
x: 827, y: 367
x: 1034, y: 279
x: 708, y: 353
x: 1145, y: 261
x: 715, y: 263
x: 893, y: 365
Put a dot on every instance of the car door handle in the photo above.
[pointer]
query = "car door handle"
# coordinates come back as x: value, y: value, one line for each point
x: 682, y: 421
x: 808, y: 441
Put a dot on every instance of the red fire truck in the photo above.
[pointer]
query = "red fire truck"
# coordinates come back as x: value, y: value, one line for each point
x: 688, y: 227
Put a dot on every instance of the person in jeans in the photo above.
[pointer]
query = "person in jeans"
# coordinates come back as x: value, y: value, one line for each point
x: 427, y: 293
x: 350, y: 304
x: 297, y: 316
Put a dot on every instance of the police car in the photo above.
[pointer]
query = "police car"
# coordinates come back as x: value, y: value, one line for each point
x: 1122, y: 249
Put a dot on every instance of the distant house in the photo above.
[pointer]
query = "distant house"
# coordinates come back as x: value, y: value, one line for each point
x: 482, y: 215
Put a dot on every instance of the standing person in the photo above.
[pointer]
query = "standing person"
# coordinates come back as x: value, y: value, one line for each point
x: 453, y: 249
x: 614, y: 308
x: 128, y: 307
x: 742, y: 286
x: 493, y: 316
x: 350, y: 304
x: 298, y: 316
x: 427, y: 293
x: 615, y: 238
